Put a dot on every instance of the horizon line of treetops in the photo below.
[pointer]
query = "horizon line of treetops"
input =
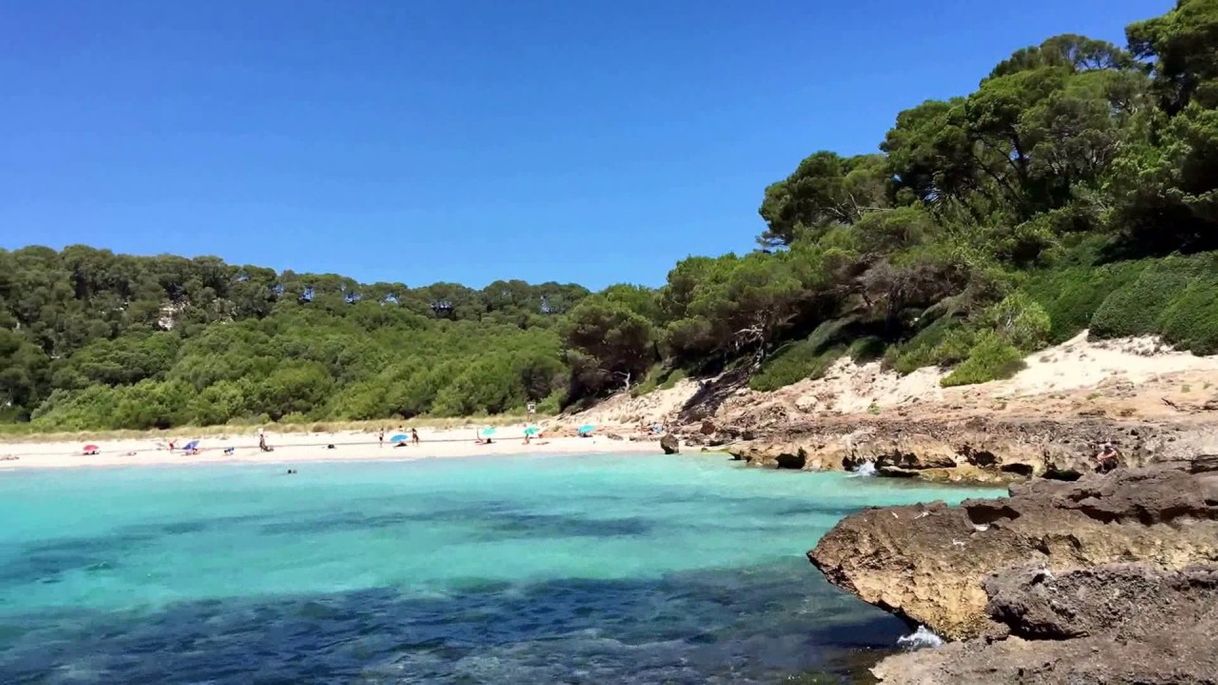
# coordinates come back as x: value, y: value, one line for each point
x: 1075, y: 188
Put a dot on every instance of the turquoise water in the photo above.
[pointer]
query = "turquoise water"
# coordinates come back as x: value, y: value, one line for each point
x: 498, y: 570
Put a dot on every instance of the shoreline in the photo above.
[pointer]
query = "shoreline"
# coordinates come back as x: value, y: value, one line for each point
x: 300, y: 447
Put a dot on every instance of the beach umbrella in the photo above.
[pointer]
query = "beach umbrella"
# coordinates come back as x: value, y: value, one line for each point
x: 91, y: 449
x: 192, y: 445
x: 488, y: 431
x: 532, y: 430
x: 400, y: 437
x: 586, y: 428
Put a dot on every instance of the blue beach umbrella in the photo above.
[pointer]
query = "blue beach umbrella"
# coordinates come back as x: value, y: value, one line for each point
x: 586, y: 428
x: 532, y: 430
x: 193, y: 444
x: 400, y: 437
x: 488, y: 431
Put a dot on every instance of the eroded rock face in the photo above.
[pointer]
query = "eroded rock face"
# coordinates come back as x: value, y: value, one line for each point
x: 929, y: 563
x: 974, y: 450
x: 1127, y: 600
x: 1122, y: 623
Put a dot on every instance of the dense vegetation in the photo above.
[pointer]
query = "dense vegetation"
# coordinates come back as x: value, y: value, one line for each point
x: 1076, y: 187
x: 93, y: 339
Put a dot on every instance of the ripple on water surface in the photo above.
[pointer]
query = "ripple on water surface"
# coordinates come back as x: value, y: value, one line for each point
x: 520, y: 569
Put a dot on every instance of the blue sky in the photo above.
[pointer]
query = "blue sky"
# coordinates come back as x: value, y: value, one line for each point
x: 467, y: 141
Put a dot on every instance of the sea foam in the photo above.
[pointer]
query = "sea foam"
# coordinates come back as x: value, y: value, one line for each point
x: 922, y: 638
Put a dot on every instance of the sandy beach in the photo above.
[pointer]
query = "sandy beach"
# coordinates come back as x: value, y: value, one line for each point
x: 295, y: 448
x: 1128, y: 378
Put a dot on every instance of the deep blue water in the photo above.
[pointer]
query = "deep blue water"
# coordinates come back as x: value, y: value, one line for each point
x: 597, y: 569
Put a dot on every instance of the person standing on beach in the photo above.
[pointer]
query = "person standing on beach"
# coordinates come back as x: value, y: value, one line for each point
x: 414, y: 435
x: 380, y: 438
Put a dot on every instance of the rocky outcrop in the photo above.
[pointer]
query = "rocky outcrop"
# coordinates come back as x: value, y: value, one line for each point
x: 1124, y: 623
x: 1060, y: 582
x: 670, y: 444
x: 927, y: 562
x: 984, y: 450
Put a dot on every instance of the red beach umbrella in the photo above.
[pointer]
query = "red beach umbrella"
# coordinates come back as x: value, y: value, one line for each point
x: 91, y: 449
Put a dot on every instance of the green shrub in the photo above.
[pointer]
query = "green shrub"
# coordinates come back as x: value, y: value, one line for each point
x: 1021, y: 320
x: 1136, y: 308
x: 294, y: 387
x: 1191, y: 321
x: 673, y: 377
x: 1070, y: 296
x: 69, y: 410
x: 955, y: 347
x: 219, y: 403
x: 808, y: 358
x: 552, y: 404
x: 153, y: 404
x: 944, y: 342
x: 794, y: 363
x: 487, y: 386
x: 991, y: 358
x: 831, y: 332
x: 649, y: 382
x: 866, y: 349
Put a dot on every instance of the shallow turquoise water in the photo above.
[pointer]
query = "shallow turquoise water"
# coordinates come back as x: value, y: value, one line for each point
x: 511, y: 569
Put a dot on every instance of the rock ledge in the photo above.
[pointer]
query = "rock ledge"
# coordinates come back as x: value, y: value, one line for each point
x: 1107, y: 579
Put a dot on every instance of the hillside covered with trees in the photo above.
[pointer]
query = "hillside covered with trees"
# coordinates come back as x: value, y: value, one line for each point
x: 1076, y: 187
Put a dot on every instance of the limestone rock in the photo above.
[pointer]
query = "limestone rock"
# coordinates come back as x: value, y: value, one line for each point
x: 1123, y: 598
x: 928, y: 563
x: 670, y: 444
x: 979, y: 449
x: 1121, y: 623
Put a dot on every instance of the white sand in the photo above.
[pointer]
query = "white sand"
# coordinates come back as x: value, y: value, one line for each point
x: 639, y: 413
x: 1152, y: 370
x: 848, y: 387
x: 1082, y: 363
x: 296, y: 448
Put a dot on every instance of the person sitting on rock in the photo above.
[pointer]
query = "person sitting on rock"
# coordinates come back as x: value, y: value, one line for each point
x: 1107, y: 458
